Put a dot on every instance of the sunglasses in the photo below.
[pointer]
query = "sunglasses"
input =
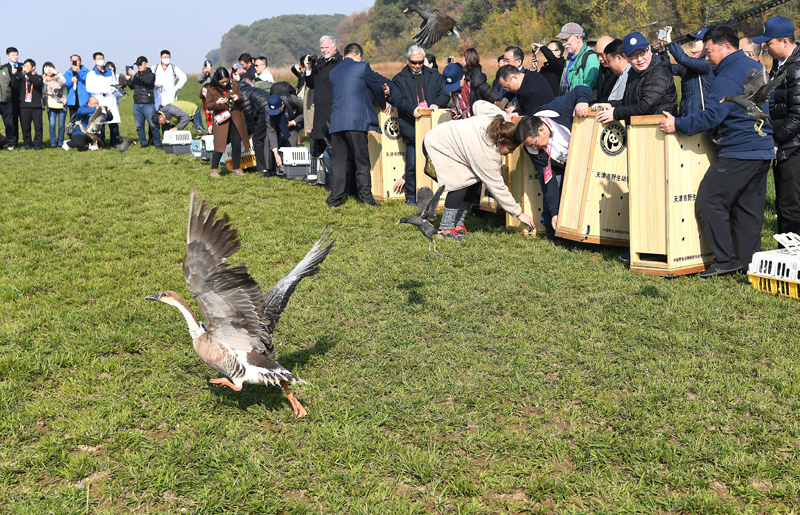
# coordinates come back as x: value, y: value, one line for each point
x: 416, y: 62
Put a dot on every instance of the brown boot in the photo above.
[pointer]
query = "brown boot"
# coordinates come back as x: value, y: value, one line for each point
x: 237, y: 173
x: 214, y: 173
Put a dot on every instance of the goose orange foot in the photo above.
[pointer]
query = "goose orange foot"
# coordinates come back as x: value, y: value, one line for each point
x: 299, y: 410
x: 223, y: 381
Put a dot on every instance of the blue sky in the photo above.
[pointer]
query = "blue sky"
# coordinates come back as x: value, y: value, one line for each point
x: 126, y: 30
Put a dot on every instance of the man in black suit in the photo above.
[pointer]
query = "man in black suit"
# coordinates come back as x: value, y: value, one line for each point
x: 319, y: 80
x: 530, y: 88
x: 415, y: 87
x: 354, y: 86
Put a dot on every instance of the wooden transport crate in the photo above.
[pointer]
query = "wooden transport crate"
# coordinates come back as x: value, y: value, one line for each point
x: 387, y: 156
x: 422, y: 125
x: 666, y: 170
x: 523, y: 183
x: 594, y: 194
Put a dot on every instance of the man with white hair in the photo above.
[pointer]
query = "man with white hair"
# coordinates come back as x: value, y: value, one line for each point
x: 415, y: 87
x: 582, y: 65
x: 319, y: 80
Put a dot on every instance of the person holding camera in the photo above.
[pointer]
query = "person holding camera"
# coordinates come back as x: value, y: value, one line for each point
x: 76, y: 82
x: 30, y: 89
x: 224, y: 100
x: 55, y: 87
x: 142, y: 82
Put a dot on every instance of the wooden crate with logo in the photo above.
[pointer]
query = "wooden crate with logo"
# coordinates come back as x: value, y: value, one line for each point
x: 523, y: 183
x: 422, y: 126
x: 666, y: 170
x: 387, y: 155
x: 594, y: 195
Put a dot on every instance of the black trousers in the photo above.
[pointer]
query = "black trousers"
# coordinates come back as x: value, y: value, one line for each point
x: 354, y: 143
x: 787, y: 193
x: 78, y: 141
x: 7, y: 111
x: 15, y: 115
x: 260, y: 142
x: 28, y: 115
x: 731, y: 198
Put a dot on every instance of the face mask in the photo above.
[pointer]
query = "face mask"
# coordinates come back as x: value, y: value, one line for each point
x: 100, y: 62
x: 165, y: 61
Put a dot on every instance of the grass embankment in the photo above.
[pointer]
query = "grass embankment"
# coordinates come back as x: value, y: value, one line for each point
x: 509, y: 375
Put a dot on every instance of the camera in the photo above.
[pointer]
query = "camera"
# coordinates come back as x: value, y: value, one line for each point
x: 450, y: 59
x: 312, y: 60
x: 662, y: 33
x: 74, y: 62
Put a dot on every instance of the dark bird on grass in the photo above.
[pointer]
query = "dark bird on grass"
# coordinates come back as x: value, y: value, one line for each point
x: 237, y: 340
x: 427, y: 201
x: 756, y: 92
x: 435, y: 25
x: 124, y: 144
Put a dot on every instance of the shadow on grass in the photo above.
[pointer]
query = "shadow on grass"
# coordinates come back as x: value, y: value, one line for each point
x: 272, y: 397
x: 412, y: 289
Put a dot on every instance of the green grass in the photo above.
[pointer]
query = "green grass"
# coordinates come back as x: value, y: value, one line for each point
x: 511, y: 375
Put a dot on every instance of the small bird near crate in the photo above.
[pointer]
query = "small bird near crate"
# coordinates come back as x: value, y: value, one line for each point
x: 296, y: 162
x: 777, y: 272
x: 177, y: 142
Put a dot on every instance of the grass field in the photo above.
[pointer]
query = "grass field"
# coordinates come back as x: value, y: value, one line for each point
x: 510, y: 375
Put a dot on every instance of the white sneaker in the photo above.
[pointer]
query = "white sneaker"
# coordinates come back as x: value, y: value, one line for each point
x: 65, y: 146
x: 93, y: 147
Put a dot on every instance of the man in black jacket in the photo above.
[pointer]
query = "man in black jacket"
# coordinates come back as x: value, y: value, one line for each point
x: 530, y: 88
x: 650, y: 88
x: 142, y: 83
x: 256, y: 107
x: 415, y: 87
x: 319, y: 80
x: 778, y: 38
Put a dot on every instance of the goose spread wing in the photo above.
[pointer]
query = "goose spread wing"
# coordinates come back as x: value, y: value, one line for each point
x: 424, y: 196
x: 433, y: 29
x: 277, y: 297
x: 762, y: 94
x: 228, y: 297
x: 429, y: 212
x: 754, y: 80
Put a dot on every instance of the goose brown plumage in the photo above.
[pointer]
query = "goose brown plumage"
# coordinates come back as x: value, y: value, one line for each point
x: 236, y: 340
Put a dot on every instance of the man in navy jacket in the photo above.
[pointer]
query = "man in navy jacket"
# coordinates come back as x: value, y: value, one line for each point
x: 415, y: 87
x: 733, y: 191
x: 352, y: 116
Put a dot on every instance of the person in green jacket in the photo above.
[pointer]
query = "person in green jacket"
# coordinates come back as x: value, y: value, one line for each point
x: 582, y: 67
x: 177, y: 116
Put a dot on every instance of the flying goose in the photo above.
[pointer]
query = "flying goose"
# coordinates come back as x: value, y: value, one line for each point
x: 757, y: 90
x: 427, y: 201
x: 435, y: 25
x: 237, y: 340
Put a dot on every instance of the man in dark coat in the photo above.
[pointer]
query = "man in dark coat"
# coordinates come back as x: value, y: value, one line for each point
x: 256, y: 113
x: 529, y: 87
x: 353, y: 114
x: 778, y: 38
x: 650, y: 88
x: 142, y: 83
x: 732, y: 194
x: 319, y: 80
x: 415, y: 87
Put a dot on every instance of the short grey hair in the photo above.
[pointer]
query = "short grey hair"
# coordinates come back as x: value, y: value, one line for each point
x: 323, y: 38
x: 414, y: 50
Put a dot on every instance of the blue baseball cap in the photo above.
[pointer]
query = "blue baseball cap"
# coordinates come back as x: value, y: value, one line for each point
x: 633, y: 42
x: 206, y: 63
x: 776, y: 27
x: 699, y: 34
x: 452, y: 77
x: 275, y: 103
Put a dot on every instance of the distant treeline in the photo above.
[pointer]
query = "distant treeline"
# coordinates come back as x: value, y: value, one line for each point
x: 488, y: 25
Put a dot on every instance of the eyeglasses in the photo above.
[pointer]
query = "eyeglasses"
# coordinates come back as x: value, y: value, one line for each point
x: 640, y: 54
x: 416, y: 62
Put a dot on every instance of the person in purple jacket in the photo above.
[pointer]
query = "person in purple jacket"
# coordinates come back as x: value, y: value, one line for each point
x: 732, y: 194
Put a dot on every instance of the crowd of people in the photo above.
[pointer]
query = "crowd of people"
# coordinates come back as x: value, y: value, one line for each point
x: 335, y: 99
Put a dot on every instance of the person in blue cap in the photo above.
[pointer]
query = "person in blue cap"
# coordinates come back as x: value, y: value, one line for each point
x: 694, y: 70
x: 732, y: 194
x: 650, y: 88
x: 778, y: 39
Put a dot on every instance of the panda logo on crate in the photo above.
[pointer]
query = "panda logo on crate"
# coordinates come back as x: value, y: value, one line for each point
x: 391, y: 128
x: 612, y: 139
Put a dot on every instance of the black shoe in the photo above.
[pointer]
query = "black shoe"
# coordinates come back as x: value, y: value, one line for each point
x: 715, y: 270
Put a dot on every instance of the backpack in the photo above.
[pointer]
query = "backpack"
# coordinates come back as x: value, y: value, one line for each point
x: 577, y: 67
x: 282, y: 88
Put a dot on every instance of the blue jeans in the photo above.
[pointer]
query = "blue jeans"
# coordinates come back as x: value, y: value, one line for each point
x: 142, y: 113
x: 56, y: 117
x: 198, y: 119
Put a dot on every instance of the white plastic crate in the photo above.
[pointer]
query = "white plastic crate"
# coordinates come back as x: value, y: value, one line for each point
x: 295, y: 156
x: 177, y: 138
x: 778, y: 271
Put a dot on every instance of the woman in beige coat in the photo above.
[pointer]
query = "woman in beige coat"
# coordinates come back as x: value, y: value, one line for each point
x: 466, y: 153
x: 224, y: 96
